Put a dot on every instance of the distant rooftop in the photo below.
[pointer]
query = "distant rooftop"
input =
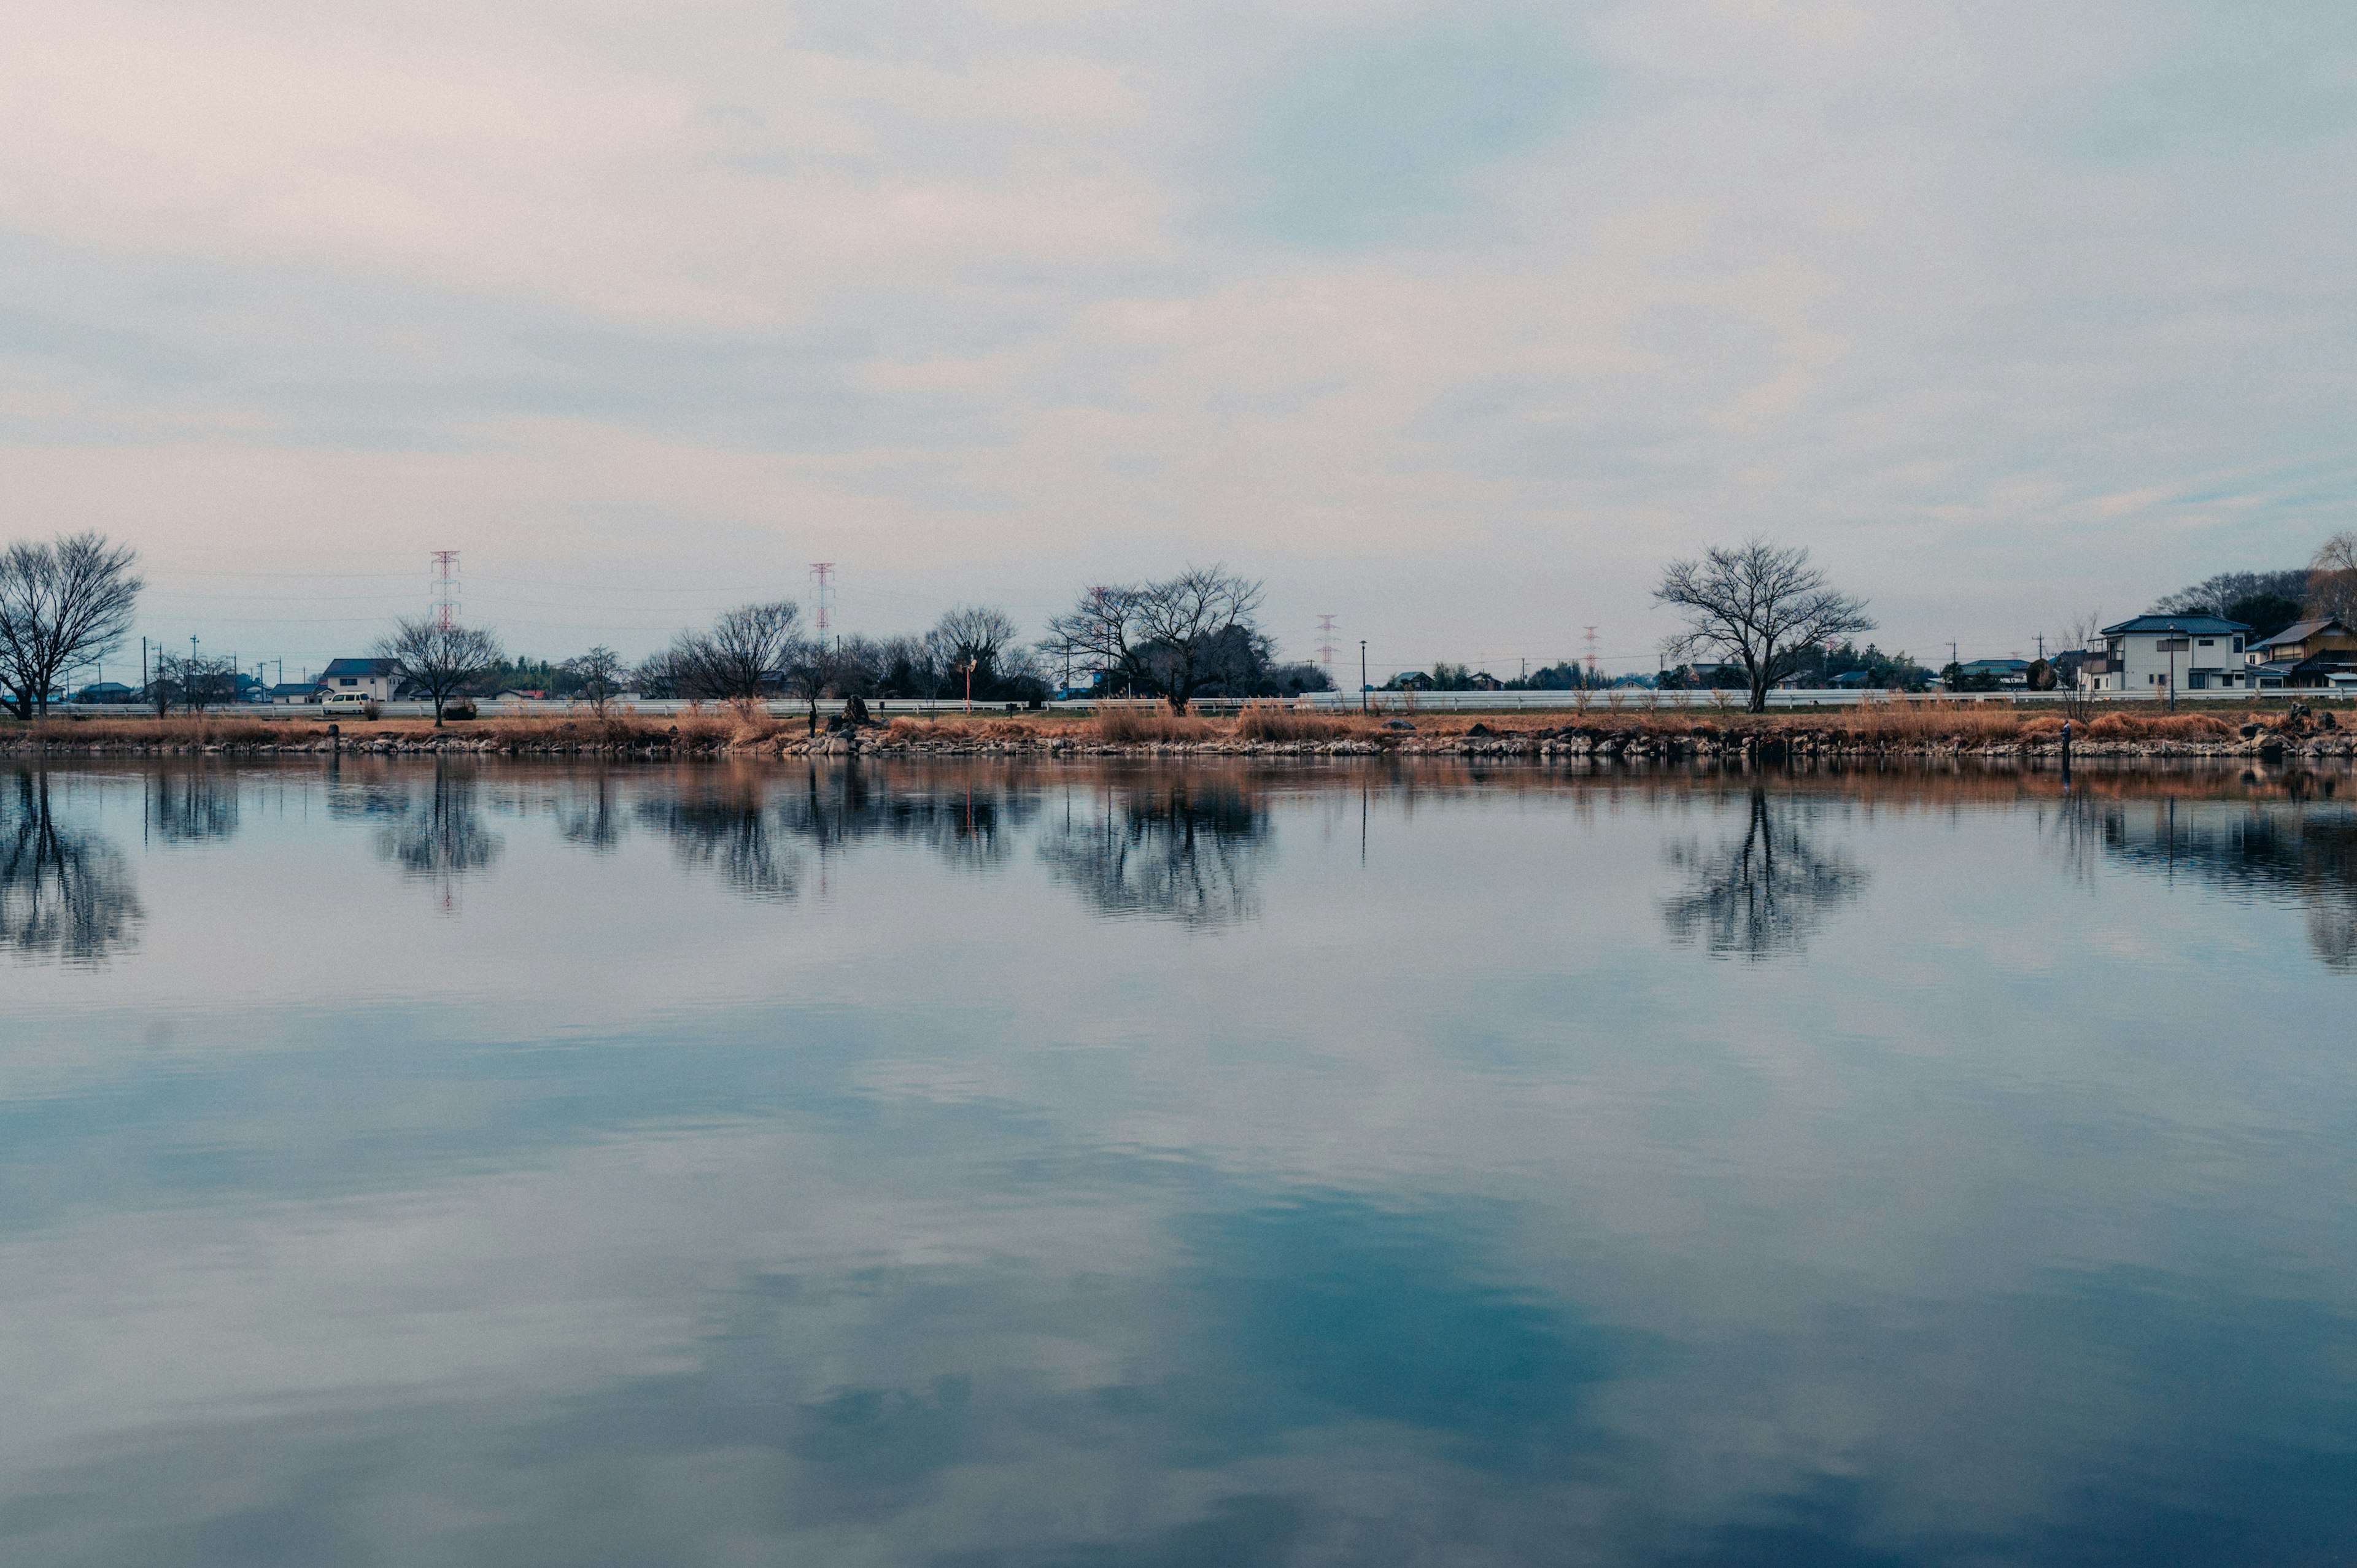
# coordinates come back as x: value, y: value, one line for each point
x: 2198, y: 625
x: 2300, y: 632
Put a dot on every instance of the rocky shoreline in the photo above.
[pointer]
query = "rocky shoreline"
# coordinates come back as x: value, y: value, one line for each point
x: 2298, y: 737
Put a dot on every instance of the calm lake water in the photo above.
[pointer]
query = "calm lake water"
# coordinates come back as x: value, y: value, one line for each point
x: 977, y: 1166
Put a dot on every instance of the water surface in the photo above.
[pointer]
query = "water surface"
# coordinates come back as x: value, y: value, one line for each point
x: 979, y: 1164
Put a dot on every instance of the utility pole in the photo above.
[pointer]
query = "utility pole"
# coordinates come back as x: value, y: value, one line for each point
x: 1591, y: 655
x: 2041, y: 645
x: 1325, y: 644
x: 1363, y: 674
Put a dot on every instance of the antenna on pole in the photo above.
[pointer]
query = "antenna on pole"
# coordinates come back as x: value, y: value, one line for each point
x: 446, y: 589
x: 823, y: 575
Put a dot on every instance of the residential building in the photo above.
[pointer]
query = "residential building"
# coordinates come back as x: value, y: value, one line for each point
x: 2161, y: 652
x: 2306, y: 653
x: 295, y: 694
x: 107, y: 691
x: 2010, y: 674
x: 377, y: 678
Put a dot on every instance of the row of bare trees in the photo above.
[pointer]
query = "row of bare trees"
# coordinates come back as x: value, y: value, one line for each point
x: 1175, y: 638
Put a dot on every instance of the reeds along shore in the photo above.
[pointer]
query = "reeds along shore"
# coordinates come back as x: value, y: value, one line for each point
x: 1916, y: 728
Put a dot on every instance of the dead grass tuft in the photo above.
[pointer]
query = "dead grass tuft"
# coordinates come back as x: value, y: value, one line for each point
x: 1133, y: 726
x: 1270, y: 723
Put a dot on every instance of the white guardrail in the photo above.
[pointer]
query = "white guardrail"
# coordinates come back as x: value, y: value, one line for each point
x: 1601, y: 703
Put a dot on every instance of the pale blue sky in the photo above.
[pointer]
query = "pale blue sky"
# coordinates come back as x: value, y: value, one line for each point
x: 1453, y: 321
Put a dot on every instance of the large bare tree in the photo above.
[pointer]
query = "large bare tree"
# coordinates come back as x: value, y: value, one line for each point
x: 63, y: 605
x: 743, y: 654
x: 2332, y: 579
x: 1759, y: 607
x: 443, y: 660
x: 1172, y: 638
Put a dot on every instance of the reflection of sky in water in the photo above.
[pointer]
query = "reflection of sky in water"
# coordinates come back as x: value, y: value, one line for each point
x: 978, y: 1165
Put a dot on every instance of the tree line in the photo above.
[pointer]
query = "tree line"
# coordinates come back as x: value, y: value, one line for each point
x: 67, y: 603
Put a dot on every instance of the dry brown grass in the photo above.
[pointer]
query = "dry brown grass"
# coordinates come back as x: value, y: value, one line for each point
x: 2158, y: 726
x: 180, y: 730
x: 1271, y: 723
x: 1131, y: 726
x: 1905, y: 723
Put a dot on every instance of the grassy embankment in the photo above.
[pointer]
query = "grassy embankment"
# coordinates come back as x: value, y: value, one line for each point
x: 726, y: 728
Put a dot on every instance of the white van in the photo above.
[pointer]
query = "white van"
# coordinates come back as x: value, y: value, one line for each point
x: 350, y: 705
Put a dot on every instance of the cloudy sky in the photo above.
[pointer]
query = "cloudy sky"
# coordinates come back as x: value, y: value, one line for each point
x: 1451, y: 321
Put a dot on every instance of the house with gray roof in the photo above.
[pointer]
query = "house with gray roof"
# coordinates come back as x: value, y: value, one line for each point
x: 2159, y: 654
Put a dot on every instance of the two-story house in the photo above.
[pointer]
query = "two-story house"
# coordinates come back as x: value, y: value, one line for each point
x: 375, y: 679
x: 2305, y: 653
x: 2164, y: 653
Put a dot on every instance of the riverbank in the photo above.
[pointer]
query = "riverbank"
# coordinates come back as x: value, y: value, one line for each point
x: 1913, y: 730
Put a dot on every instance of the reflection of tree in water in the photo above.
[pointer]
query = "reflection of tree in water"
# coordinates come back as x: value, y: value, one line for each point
x: 2307, y: 852
x: 969, y: 823
x: 63, y: 892
x: 1761, y: 895
x: 439, y: 837
x: 752, y: 826
x: 190, y: 805
x: 726, y: 824
x: 1188, y: 851
x: 592, y: 818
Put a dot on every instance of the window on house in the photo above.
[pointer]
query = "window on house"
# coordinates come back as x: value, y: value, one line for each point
x: 2208, y: 642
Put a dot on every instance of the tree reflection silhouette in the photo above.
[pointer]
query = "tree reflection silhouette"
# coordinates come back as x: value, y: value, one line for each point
x: 191, y: 805
x: 64, y: 891
x: 441, y: 839
x: 2305, y: 851
x: 591, y: 818
x: 1188, y: 851
x: 1761, y: 895
x: 726, y: 824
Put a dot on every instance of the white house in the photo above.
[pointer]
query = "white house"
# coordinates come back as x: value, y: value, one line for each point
x: 2159, y: 654
x: 375, y: 679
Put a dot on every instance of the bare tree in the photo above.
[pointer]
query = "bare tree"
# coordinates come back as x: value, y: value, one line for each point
x: 977, y: 633
x: 745, y: 651
x: 441, y: 659
x: 2212, y: 595
x: 2332, y: 579
x: 63, y: 605
x: 1757, y: 605
x: 1172, y: 638
x: 597, y: 674
x: 196, y: 682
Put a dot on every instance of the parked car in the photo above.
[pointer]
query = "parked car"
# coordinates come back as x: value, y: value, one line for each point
x: 347, y: 705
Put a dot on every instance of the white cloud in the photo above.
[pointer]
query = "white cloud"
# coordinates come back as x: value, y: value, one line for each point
x: 981, y: 301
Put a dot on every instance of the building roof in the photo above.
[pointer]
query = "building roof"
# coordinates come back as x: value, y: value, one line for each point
x: 2300, y: 632
x: 1973, y: 664
x: 294, y: 689
x: 340, y: 667
x: 2198, y: 625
